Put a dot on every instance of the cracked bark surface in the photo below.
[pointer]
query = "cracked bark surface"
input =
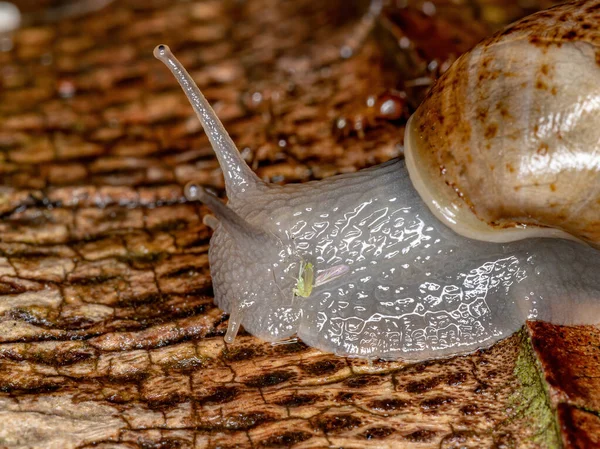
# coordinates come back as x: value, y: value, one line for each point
x: 108, y: 334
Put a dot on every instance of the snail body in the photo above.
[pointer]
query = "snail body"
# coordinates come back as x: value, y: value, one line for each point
x: 435, y: 256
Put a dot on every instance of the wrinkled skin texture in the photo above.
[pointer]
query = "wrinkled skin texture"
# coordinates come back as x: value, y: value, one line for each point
x: 415, y: 289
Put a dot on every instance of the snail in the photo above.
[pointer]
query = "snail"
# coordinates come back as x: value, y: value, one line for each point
x: 493, y: 217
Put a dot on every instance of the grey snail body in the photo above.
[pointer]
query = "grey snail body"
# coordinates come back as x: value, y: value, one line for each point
x: 448, y: 252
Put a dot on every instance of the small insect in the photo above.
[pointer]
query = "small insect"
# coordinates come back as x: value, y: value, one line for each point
x: 304, y: 285
x: 331, y: 273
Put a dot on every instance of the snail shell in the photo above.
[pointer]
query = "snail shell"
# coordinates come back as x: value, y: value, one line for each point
x: 417, y: 260
x: 511, y: 132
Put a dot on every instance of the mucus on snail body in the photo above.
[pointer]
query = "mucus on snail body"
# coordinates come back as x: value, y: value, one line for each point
x: 448, y: 252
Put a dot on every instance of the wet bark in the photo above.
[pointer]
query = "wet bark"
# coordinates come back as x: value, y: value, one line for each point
x: 108, y: 334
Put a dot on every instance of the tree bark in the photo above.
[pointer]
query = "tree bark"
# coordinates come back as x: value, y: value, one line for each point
x: 109, y: 337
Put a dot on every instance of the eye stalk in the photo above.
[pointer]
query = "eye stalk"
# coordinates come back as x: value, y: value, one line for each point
x: 239, y: 178
x: 231, y: 221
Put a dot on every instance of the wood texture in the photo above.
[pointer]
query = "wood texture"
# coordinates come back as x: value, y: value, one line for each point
x: 108, y: 334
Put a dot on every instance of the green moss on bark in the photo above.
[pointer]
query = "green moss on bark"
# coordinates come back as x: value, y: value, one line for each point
x: 531, y: 399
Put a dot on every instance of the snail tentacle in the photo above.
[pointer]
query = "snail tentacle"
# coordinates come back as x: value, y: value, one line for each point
x: 247, y: 236
x: 211, y: 221
x: 235, y: 321
x: 239, y: 178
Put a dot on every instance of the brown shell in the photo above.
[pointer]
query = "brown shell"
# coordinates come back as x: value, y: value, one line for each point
x: 512, y: 130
